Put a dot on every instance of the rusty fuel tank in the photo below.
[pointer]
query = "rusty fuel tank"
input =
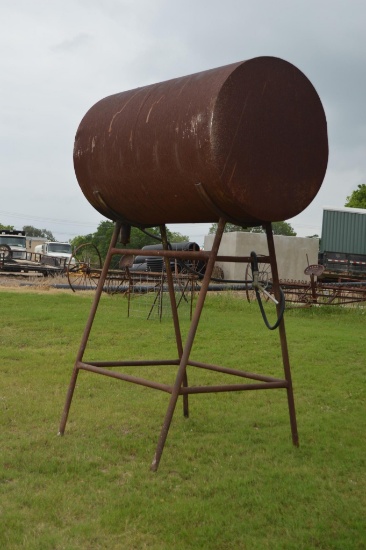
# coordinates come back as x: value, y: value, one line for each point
x: 247, y: 142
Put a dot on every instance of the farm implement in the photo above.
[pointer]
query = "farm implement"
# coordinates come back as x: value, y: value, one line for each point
x: 324, y: 287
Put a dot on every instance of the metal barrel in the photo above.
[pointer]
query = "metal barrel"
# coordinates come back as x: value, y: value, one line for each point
x: 247, y: 142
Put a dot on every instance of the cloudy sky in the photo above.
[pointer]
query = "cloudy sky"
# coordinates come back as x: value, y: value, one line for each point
x: 58, y: 58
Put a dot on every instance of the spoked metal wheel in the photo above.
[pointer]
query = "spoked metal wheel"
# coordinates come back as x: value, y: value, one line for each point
x: 5, y: 252
x: 265, y: 277
x: 119, y: 281
x: 84, y: 268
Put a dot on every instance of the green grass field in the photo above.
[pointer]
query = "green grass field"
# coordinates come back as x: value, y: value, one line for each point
x: 229, y: 477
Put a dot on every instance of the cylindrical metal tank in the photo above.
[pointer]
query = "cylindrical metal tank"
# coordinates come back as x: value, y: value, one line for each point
x: 247, y: 141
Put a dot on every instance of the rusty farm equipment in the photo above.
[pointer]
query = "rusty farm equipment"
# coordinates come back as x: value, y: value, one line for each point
x: 137, y: 276
x: 322, y: 287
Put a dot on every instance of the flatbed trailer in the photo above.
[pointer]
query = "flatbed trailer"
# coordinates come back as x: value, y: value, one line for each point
x: 11, y: 266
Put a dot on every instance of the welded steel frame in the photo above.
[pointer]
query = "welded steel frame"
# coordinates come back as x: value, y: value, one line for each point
x: 180, y: 387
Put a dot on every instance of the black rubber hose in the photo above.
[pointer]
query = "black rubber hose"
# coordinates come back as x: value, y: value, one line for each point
x: 282, y: 310
x: 282, y: 303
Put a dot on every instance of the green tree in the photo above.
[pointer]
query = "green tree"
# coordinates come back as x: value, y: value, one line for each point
x: 7, y: 227
x: 279, y: 228
x: 283, y: 228
x: 138, y: 239
x: 357, y: 198
x: 229, y: 228
x: 175, y: 237
x: 31, y: 231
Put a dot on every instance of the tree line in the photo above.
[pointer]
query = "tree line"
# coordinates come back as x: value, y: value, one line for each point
x: 138, y: 239
x: 31, y: 231
x: 102, y: 236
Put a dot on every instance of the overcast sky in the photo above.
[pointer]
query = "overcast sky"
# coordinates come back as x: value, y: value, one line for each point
x: 58, y: 58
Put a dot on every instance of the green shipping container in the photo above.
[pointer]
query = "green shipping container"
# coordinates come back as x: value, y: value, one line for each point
x: 344, y: 230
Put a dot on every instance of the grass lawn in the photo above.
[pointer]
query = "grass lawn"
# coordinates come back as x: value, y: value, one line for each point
x: 229, y: 477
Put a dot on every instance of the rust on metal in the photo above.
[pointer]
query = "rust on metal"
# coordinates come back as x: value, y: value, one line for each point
x: 321, y: 289
x: 180, y: 386
x: 314, y: 269
x: 246, y: 142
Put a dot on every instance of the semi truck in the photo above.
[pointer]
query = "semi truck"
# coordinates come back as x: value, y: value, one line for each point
x: 52, y: 253
x: 13, y: 244
x: 343, y: 242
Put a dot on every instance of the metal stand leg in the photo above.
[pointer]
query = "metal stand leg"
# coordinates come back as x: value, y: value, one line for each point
x: 180, y: 385
x: 283, y: 340
x: 173, y: 302
x: 188, y: 347
x: 87, y: 330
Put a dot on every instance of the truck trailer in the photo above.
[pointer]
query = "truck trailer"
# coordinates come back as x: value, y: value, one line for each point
x: 343, y: 242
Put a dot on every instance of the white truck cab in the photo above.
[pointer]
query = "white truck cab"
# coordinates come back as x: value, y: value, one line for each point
x: 55, y: 250
x: 16, y: 241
